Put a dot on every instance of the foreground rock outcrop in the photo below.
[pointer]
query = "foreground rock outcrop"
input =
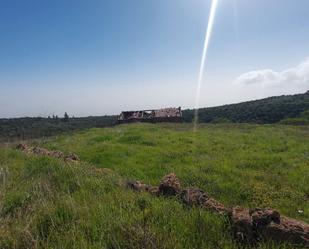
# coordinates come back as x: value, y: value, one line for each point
x: 197, y: 197
x: 253, y: 225
x: 44, y: 152
x: 169, y: 185
x: 247, y: 225
x: 140, y: 186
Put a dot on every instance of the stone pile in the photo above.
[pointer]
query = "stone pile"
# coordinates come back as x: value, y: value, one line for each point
x: 44, y: 152
x: 247, y: 225
x: 253, y: 225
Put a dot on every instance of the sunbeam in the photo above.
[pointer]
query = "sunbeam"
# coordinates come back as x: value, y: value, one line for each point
x: 211, y: 19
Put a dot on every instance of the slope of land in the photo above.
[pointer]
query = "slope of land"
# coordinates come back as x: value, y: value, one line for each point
x: 13, y: 129
x: 289, y: 109
x: 47, y: 203
x: 264, y: 111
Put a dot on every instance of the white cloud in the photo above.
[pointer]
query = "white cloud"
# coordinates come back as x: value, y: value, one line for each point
x: 295, y: 77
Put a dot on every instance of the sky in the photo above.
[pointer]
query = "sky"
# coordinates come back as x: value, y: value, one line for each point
x: 97, y: 57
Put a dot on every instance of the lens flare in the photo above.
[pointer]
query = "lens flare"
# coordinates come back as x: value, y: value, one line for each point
x: 211, y: 19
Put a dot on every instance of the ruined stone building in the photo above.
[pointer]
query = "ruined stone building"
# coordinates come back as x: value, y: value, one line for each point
x: 161, y: 115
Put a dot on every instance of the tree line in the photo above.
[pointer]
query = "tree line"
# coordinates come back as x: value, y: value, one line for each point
x: 286, y: 109
x: 263, y: 111
x: 35, y: 127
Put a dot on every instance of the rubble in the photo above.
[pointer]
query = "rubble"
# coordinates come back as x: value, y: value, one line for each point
x: 194, y: 197
x: 241, y: 224
x: 253, y: 225
x: 247, y: 225
x: 72, y: 158
x: 170, y: 185
x: 22, y: 147
x: 137, y: 185
x: 140, y: 186
x: 288, y: 229
x: 215, y: 206
x: 262, y: 217
x: 50, y: 153
x: 153, y: 190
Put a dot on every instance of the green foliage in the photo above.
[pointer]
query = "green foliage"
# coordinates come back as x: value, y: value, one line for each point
x: 295, y: 121
x: 47, y: 203
x: 263, y: 111
x: 14, y: 201
x: 220, y: 121
x: 66, y: 117
x: 269, y: 110
x: 302, y: 120
x: 29, y: 128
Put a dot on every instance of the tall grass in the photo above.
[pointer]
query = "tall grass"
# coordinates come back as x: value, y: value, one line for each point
x: 46, y: 203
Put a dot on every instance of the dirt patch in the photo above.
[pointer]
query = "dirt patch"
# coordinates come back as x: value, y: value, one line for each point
x: 50, y: 153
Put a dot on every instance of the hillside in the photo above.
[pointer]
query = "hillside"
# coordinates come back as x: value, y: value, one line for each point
x: 263, y: 111
x: 47, y: 203
x: 12, y: 129
x: 288, y: 109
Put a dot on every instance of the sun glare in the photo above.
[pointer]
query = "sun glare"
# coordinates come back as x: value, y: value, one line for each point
x: 211, y: 19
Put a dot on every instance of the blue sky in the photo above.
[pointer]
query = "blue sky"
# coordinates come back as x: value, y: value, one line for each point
x: 95, y: 57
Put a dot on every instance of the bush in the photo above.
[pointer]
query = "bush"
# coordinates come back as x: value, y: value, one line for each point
x: 295, y: 121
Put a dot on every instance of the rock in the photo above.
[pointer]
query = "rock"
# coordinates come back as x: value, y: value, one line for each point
x: 169, y: 185
x: 262, y: 217
x: 289, y: 230
x: 242, y: 224
x: 216, y: 206
x: 21, y: 147
x: 40, y: 151
x: 152, y: 190
x: 197, y: 197
x: 194, y: 196
x: 72, y: 158
x: 248, y: 225
x: 51, y: 153
x: 265, y: 224
x: 56, y: 154
x: 137, y: 185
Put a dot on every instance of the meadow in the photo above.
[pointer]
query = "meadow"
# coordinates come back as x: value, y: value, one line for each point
x: 47, y: 203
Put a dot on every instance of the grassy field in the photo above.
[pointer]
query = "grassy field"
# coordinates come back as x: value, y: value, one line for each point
x: 46, y: 203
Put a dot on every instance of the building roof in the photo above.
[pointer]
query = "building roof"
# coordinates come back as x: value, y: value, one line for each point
x: 149, y: 114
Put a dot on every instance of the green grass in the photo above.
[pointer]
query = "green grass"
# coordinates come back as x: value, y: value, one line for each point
x: 46, y: 203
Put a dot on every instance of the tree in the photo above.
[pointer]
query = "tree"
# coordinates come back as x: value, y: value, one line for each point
x: 66, y: 117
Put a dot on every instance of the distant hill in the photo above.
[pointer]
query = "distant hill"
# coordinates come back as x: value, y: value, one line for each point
x: 29, y: 128
x: 268, y: 110
x: 289, y: 109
